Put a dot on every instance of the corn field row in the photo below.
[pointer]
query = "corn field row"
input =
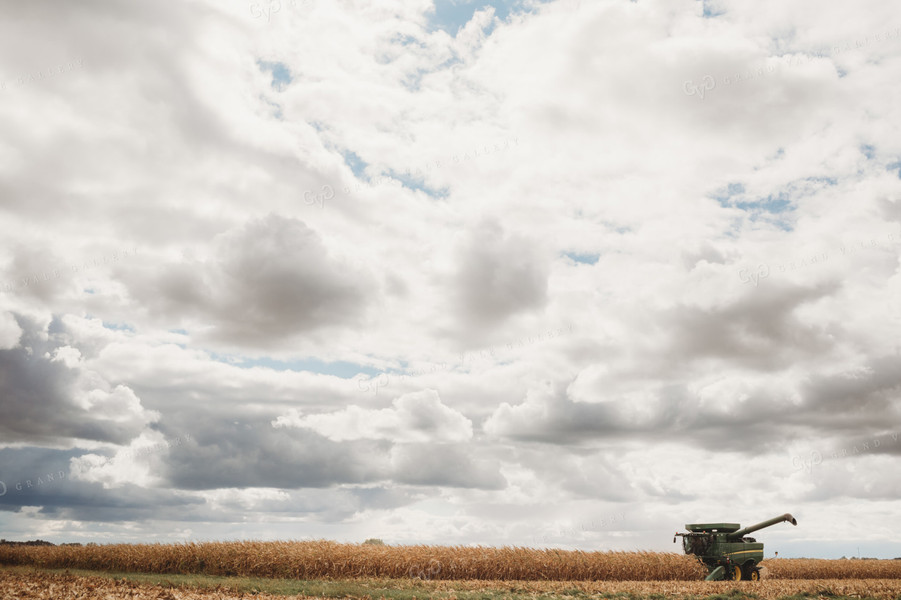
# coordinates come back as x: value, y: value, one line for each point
x: 819, y: 568
x: 324, y: 559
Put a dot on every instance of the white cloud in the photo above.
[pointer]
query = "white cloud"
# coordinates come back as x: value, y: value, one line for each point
x: 413, y: 417
x: 10, y: 332
x: 165, y: 275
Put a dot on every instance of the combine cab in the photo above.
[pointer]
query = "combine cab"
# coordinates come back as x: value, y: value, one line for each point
x: 725, y: 550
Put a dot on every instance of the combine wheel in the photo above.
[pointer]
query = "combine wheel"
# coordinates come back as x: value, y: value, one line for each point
x: 749, y: 571
x: 755, y: 574
x: 736, y: 573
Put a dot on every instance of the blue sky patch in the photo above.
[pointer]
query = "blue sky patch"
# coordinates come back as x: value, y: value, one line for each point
x: 357, y: 165
x: 417, y: 183
x: 774, y: 208
x: 452, y: 15
x: 893, y: 166
x: 584, y: 258
x: 345, y: 370
x: 281, y: 74
x: 724, y: 196
x: 770, y: 209
x: 709, y: 11
x: 771, y: 204
x: 829, y: 181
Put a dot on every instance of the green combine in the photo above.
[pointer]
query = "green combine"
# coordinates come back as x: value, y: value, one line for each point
x: 724, y: 549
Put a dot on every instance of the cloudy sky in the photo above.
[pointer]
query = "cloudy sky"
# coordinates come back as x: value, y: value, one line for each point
x: 566, y: 274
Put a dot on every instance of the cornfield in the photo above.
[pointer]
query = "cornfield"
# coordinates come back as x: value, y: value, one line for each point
x: 323, y: 559
x: 818, y: 568
x: 332, y: 560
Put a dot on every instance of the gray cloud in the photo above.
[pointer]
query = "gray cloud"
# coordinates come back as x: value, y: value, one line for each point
x: 46, y: 398
x: 42, y: 478
x: 867, y: 396
x: 594, y: 474
x: 251, y: 453
x: 607, y: 406
x: 760, y: 330
x: 266, y: 283
x: 499, y: 275
x: 437, y: 464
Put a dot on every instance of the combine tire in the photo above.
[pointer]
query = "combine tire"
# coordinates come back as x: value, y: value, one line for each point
x: 736, y: 573
x: 750, y: 572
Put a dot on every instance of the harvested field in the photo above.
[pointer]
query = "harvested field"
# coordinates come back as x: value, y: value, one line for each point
x: 38, y: 585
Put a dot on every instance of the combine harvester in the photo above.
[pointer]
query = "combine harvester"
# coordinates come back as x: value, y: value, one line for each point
x: 725, y: 551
